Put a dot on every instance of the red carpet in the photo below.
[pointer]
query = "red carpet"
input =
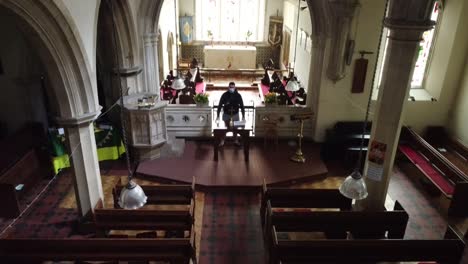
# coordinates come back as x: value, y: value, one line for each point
x: 430, y: 172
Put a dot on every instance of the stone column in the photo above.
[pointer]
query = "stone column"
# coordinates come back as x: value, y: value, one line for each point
x: 129, y: 79
x: 151, y: 63
x: 315, y: 78
x: 84, y: 162
x: 406, y: 20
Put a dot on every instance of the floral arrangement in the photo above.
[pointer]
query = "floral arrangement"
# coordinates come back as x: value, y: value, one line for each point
x: 271, y: 98
x: 201, y: 98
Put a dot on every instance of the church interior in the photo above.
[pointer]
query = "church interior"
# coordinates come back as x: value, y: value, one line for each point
x: 240, y: 131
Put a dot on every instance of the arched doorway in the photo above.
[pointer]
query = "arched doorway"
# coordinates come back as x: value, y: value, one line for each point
x: 321, y: 15
x: 66, y: 75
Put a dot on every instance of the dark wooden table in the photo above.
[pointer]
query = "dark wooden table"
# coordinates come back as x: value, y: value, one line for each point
x: 220, y: 132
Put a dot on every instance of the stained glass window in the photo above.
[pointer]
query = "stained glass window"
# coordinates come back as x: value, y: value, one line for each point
x: 423, y: 53
x: 230, y: 20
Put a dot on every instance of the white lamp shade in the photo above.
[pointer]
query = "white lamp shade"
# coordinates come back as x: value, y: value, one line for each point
x: 132, y: 196
x: 292, y: 86
x: 354, y: 186
x: 178, y: 83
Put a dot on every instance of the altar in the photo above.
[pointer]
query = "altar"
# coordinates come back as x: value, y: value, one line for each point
x: 230, y: 57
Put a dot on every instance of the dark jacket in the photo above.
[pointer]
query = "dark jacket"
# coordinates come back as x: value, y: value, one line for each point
x: 231, y: 102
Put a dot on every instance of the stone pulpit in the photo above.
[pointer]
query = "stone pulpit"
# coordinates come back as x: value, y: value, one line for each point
x: 146, y: 124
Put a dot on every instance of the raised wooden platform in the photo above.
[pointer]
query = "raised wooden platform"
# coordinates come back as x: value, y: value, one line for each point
x: 232, y: 171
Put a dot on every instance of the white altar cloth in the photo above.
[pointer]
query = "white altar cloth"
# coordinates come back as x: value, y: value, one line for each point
x: 230, y: 57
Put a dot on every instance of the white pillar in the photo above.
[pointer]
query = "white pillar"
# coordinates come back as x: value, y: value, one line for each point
x: 84, y: 163
x: 151, y: 63
x: 406, y: 20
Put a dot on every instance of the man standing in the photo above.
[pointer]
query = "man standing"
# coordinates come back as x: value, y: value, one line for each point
x: 231, y: 101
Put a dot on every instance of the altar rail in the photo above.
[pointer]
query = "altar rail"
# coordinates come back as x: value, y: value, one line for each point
x: 285, y: 126
x: 253, y: 73
x: 195, y: 121
x: 189, y: 120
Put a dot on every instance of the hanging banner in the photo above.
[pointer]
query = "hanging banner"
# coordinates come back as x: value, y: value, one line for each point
x: 186, y: 29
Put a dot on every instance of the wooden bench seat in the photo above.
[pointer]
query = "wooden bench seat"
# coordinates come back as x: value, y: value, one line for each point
x: 440, y: 172
x: 445, y: 185
x: 280, y: 197
x: 449, y: 250
x: 337, y: 224
x: 162, y: 194
x: 177, y: 250
x: 24, y: 161
x: 450, y: 147
x: 119, y: 219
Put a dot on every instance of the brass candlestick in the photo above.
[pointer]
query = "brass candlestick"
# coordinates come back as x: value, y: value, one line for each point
x: 298, y: 156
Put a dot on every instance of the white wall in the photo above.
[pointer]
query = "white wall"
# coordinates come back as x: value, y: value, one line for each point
x: 167, y: 24
x: 336, y: 102
x: 272, y: 8
x: 84, y: 14
x: 22, y: 97
x: 446, y: 69
x: 186, y: 7
x: 303, y: 56
x: 459, y: 120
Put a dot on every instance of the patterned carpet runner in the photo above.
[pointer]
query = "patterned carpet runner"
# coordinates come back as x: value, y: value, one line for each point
x: 231, y: 230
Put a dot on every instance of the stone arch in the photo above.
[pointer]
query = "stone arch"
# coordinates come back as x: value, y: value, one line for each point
x: 322, y: 16
x: 111, y: 40
x: 126, y: 33
x: 47, y: 26
x: 160, y: 56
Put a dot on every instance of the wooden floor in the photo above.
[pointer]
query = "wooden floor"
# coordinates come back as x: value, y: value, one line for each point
x: 231, y: 170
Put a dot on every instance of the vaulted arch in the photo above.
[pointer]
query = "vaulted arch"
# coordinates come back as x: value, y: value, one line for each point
x: 49, y: 28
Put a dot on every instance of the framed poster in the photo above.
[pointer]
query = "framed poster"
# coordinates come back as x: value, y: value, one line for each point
x: 186, y: 29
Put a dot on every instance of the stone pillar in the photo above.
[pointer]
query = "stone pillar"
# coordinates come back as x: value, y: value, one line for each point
x: 315, y: 79
x: 129, y: 79
x: 84, y: 162
x: 406, y: 20
x: 151, y: 63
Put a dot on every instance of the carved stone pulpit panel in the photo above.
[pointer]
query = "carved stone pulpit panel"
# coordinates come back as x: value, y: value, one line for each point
x: 147, y: 126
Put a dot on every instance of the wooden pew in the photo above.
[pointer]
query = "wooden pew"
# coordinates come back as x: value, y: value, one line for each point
x: 337, y: 224
x: 24, y: 160
x: 301, y: 198
x: 175, y: 250
x: 161, y: 194
x: 449, y: 250
x: 343, y: 142
x: 455, y: 151
x: 443, y: 175
x: 119, y: 219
